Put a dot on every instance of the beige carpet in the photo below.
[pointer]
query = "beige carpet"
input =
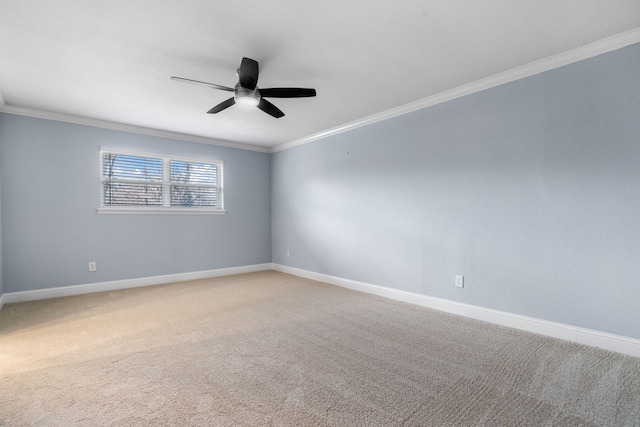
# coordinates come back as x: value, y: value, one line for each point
x: 272, y: 349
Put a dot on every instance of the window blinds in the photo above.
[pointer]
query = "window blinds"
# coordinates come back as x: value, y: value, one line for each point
x: 130, y: 180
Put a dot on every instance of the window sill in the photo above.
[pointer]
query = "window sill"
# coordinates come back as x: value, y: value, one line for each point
x: 161, y: 211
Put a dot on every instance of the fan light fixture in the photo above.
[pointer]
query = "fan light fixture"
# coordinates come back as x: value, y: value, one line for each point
x: 246, y: 97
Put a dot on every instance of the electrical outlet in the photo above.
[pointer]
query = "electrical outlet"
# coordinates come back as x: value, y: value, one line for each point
x: 459, y: 281
x: 92, y: 266
x: 288, y: 254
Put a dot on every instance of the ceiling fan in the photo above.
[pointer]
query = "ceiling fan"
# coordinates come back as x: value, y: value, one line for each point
x: 246, y: 91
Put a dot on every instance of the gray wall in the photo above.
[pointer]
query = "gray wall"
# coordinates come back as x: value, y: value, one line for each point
x: 1, y: 274
x: 531, y: 190
x: 51, y: 229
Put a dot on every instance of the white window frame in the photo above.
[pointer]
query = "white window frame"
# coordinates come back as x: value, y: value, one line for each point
x: 166, y: 186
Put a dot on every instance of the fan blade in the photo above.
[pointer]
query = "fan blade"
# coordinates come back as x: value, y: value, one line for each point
x: 223, y: 105
x: 287, y: 92
x: 270, y: 109
x: 248, y: 73
x: 196, y: 82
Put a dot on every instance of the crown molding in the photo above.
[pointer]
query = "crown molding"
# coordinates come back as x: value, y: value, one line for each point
x: 587, y: 51
x: 104, y: 124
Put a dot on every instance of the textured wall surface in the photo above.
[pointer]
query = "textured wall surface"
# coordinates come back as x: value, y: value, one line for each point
x: 531, y: 190
x: 51, y: 228
x: 1, y: 274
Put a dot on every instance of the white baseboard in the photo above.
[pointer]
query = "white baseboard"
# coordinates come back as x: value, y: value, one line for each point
x: 65, y: 291
x: 607, y: 341
x: 616, y: 343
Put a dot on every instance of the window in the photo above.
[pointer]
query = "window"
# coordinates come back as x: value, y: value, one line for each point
x: 149, y: 183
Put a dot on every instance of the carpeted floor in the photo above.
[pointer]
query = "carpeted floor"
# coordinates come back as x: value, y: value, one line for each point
x: 268, y: 349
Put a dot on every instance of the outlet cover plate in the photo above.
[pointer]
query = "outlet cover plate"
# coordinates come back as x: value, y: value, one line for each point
x: 459, y: 281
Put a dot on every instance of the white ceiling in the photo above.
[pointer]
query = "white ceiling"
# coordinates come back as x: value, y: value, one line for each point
x: 111, y: 60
